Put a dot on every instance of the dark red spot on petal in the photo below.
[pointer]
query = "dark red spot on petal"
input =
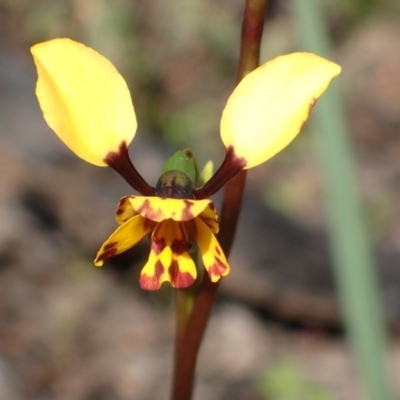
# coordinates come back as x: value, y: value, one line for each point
x: 302, y: 125
x: 147, y: 282
x: 218, y: 268
x: 186, y: 212
x: 179, y: 280
x: 159, y: 269
x: 110, y: 250
x: 179, y: 246
x: 121, y: 205
x: 147, y: 210
x: 312, y: 104
x: 157, y: 242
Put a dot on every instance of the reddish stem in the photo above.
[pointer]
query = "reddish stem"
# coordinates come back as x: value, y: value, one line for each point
x: 187, y: 346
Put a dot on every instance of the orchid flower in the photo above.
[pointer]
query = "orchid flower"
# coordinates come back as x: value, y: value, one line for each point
x: 86, y: 102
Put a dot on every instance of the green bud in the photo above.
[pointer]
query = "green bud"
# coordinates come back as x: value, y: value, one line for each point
x: 206, y: 173
x: 183, y: 161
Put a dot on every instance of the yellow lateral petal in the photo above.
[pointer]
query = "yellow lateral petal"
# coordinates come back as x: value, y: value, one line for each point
x: 211, y: 252
x: 125, y: 210
x: 210, y: 217
x: 159, y: 209
x: 123, y: 238
x: 270, y: 105
x: 83, y: 98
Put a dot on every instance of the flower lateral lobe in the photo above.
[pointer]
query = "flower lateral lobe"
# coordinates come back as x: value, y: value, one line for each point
x: 214, y: 259
x: 125, y: 210
x: 124, y: 237
x: 84, y: 99
x: 270, y: 105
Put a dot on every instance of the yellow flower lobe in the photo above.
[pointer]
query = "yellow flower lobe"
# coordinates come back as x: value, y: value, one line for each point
x: 84, y: 99
x: 270, y: 105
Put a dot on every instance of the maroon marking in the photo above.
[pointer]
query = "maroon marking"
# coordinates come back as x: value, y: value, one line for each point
x: 186, y: 212
x: 159, y: 269
x: 121, y: 204
x: 211, y: 221
x: 149, y: 212
x: 302, y: 125
x: 211, y: 206
x: 312, y: 104
x: 120, y: 162
x: 310, y: 107
x: 178, y: 247
x: 147, y: 282
x: 157, y: 244
x: 148, y: 224
x: 145, y: 206
x: 218, y: 268
x: 218, y: 250
x: 179, y: 280
x: 110, y: 250
x: 173, y: 269
x: 231, y: 166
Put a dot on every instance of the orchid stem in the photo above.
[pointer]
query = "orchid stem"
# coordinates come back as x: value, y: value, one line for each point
x: 187, y: 345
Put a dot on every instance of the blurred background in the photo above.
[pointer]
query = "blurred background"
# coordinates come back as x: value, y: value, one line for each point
x: 71, y: 331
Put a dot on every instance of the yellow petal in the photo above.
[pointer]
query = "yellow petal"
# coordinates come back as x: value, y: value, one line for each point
x: 270, y: 105
x: 159, y: 209
x: 123, y: 238
x: 125, y: 210
x: 211, y: 252
x: 83, y: 98
x: 210, y: 217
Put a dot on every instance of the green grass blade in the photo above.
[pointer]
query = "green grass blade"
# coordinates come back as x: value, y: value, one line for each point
x: 355, y: 272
